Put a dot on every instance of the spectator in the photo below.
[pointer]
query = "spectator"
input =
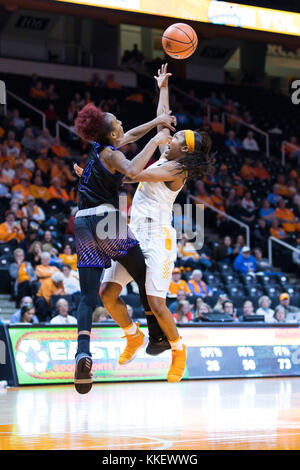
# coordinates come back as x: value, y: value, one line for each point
x: 57, y: 192
x: 51, y: 286
x: 219, y: 305
x: 233, y: 143
x: 48, y: 242
x: 181, y: 295
x: 33, y: 211
x: 100, y: 314
x: 183, y: 312
x: 267, y: 212
x: 10, y: 230
x: 29, y: 141
x: 178, y: 283
x: 16, y: 317
x: 38, y: 190
x: 280, y: 315
x: 286, y: 217
x: 291, y: 310
x: 68, y: 257
x: 111, y: 83
x: 22, y: 274
x: 188, y: 254
x: 44, y: 271
x: 37, y: 91
x: 27, y: 314
x: 18, y: 122
x: 59, y: 149
x: 197, y: 286
x: 274, y: 197
x: 260, y: 172
x: 249, y: 143
x: 248, y: 308
x: 223, y: 252
x: 71, y: 280
x: 247, y: 171
x: 45, y: 140
x: 202, y: 309
x: 277, y: 231
x: 245, y: 263
x: 261, y: 263
x: 264, y: 309
x: 63, y: 317
x: 228, y: 308
x: 239, y: 244
x: 216, y: 125
x: 34, y: 254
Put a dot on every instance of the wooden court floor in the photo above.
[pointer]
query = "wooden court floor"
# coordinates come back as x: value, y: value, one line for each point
x: 248, y: 414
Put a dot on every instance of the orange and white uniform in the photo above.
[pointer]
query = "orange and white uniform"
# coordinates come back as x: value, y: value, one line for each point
x: 151, y: 223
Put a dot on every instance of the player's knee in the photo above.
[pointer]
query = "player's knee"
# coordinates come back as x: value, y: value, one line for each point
x: 108, y: 293
x: 157, y: 306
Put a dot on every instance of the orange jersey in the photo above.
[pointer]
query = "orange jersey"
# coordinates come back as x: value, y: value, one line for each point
x: 48, y: 288
x: 7, y: 233
x: 69, y: 259
x: 176, y: 286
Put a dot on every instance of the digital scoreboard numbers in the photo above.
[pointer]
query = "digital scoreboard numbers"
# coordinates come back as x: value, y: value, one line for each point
x: 245, y: 361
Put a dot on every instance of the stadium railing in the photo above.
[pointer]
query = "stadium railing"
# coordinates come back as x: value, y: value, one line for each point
x: 253, y: 128
x: 280, y: 242
x: 223, y: 214
x: 28, y: 105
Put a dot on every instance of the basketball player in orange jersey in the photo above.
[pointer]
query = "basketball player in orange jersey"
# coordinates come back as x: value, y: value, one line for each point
x: 185, y: 156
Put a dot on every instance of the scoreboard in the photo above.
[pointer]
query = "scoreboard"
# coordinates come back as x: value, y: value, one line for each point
x: 45, y: 354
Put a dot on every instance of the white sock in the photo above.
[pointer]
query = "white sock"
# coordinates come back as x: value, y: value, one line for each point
x: 177, y: 344
x: 130, y: 330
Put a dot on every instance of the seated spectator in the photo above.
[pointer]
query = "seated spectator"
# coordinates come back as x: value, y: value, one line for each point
x: 33, y: 211
x: 216, y: 125
x: 16, y: 317
x: 183, y: 312
x: 63, y: 317
x: 239, y: 244
x: 283, y: 188
x: 44, y: 271
x: 286, y: 217
x: 34, y: 254
x: 249, y: 143
x: 267, y: 212
x: 8, y: 173
x: 292, y: 149
x: 10, y: 230
x: 245, y: 263
x: 48, y: 242
x: 248, y: 308
x: 225, y: 180
x: 264, y: 303
x: 277, y: 231
x: 44, y: 138
x: 228, y: 308
x: 29, y: 140
x: 27, y: 314
x: 56, y: 191
x: 224, y: 252
x: 219, y: 305
x: 274, y: 197
x: 51, y: 286
x: 262, y: 264
x: 201, y: 193
x: 11, y: 149
x: 18, y: 122
x: 260, y: 172
x: 100, y: 314
x: 218, y: 200
x: 71, y: 280
x: 178, y: 283
x: 188, y: 254
x: 22, y: 274
x: 43, y: 163
x: 284, y: 300
x: 233, y: 143
x: 21, y: 191
x: 37, y: 91
x: 68, y: 257
x: 38, y: 190
x: 248, y: 204
x: 59, y: 149
x: 197, y: 286
x: 202, y: 309
x: 247, y: 171
x: 181, y: 295
x: 61, y: 171
x: 280, y: 315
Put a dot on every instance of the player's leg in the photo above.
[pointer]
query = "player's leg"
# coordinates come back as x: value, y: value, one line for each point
x: 89, y: 286
x: 166, y: 321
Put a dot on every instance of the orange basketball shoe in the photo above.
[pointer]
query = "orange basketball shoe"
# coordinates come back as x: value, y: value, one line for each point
x: 177, y: 368
x: 134, y: 344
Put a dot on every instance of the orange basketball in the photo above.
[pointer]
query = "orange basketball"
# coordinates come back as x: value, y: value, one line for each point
x: 179, y: 41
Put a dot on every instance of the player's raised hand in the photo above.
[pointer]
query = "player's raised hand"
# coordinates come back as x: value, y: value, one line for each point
x: 78, y: 170
x: 167, y: 120
x: 162, y: 77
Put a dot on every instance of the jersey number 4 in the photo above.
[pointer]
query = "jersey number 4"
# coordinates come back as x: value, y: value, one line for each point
x: 87, y: 171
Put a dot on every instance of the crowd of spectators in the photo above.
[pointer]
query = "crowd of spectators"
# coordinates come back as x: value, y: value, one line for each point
x: 38, y: 202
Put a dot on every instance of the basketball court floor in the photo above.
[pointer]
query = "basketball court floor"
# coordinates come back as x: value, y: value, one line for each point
x: 240, y: 414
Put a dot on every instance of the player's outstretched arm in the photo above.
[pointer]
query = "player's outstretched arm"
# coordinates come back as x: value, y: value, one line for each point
x: 165, y: 120
x: 169, y: 171
x: 163, y: 106
x: 131, y: 168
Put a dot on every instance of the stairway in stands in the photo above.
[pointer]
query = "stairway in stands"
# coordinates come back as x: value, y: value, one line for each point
x: 7, y: 307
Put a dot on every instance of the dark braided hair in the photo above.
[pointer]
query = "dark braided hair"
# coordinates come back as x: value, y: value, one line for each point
x: 91, y: 124
x: 198, y: 163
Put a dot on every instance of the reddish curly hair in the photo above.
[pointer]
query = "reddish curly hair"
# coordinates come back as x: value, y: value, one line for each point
x: 89, y: 123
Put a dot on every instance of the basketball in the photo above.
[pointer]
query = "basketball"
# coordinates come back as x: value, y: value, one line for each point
x: 179, y: 41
